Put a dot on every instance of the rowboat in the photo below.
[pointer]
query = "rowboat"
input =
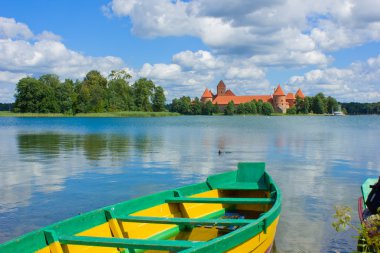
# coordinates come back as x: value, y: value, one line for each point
x: 363, y: 212
x: 368, y: 220
x: 236, y: 211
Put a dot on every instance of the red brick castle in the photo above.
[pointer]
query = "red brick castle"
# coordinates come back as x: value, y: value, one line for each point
x: 278, y: 99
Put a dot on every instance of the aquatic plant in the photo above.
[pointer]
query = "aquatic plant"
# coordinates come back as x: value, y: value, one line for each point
x: 368, y: 232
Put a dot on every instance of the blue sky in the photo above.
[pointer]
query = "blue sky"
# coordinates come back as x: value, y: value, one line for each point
x: 330, y: 46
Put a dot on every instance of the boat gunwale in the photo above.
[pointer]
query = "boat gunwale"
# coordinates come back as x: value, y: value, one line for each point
x: 244, y: 232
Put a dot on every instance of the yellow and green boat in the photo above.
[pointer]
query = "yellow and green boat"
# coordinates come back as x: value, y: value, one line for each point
x: 236, y: 211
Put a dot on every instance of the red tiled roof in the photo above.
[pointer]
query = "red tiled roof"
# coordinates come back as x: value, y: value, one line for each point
x: 300, y: 94
x: 224, y: 100
x: 207, y: 94
x: 279, y: 91
x: 221, y: 83
x: 229, y: 93
x: 290, y: 96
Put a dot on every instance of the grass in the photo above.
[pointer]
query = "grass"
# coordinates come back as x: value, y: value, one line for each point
x: 91, y: 115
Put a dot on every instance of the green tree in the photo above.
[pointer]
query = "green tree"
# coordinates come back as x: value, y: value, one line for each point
x: 259, y: 106
x: 267, y: 109
x: 230, y: 108
x: 318, y: 104
x: 291, y: 110
x: 240, y: 109
x: 196, y: 107
x: 307, y: 105
x: 159, y: 99
x: 119, y: 75
x: 215, y: 108
x: 29, y: 93
x: 50, y: 101
x: 143, y: 91
x: 207, y: 108
x: 119, y: 96
x: 66, y: 97
x: 332, y: 104
x: 119, y: 93
x: 252, y: 107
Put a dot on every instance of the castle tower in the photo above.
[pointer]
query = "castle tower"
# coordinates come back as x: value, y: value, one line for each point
x: 221, y: 88
x: 207, y: 96
x: 279, y: 100
x: 300, y: 94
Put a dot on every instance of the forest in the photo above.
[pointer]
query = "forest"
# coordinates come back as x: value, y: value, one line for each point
x: 95, y: 93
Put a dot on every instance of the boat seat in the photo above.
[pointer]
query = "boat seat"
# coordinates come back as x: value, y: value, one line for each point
x: 186, y: 221
x: 221, y: 200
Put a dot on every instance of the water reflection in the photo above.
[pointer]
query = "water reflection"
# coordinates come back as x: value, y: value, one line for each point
x: 75, y: 165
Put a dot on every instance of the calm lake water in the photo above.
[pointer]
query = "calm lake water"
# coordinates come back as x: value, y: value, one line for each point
x: 55, y: 168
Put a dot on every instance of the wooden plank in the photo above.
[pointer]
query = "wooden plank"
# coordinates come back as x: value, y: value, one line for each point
x: 127, y: 243
x: 187, y: 221
x: 221, y: 200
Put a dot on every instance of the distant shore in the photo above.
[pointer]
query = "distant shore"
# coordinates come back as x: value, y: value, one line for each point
x: 91, y: 115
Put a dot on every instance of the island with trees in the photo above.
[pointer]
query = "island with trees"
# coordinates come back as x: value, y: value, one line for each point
x: 94, y: 94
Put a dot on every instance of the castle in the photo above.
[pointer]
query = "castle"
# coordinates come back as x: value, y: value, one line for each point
x: 278, y: 99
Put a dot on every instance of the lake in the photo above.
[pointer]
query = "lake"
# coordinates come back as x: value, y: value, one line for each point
x: 55, y: 168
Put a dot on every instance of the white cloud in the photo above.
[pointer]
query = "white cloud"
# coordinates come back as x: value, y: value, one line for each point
x: 23, y: 52
x: 9, y: 28
x: 359, y: 82
x: 197, y: 60
x: 271, y: 29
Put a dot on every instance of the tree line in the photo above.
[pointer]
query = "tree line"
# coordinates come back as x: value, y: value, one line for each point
x: 94, y: 93
x: 361, y: 108
x: 186, y: 106
x: 319, y: 104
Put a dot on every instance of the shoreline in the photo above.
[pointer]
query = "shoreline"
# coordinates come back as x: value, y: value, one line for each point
x: 129, y: 114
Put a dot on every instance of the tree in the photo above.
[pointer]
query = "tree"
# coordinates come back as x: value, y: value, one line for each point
x: 259, y: 106
x: 159, y: 99
x: 215, y: 108
x: 142, y: 92
x: 230, y: 108
x: 251, y: 107
x: 207, y: 108
x: 240, y: 109
x: 66, y: 97
x: 291, y: 110
x: 119, y: 75
x: 29, y: 93
x: 119, y: 93
x: 267, y: 108
x: 196, y: 107
x: 119, y: 96
x: 332, y: 104
x: 318, y: 105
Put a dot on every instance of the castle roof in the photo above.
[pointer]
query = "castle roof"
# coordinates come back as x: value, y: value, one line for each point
x: 300, y: 94
x: 279, y: 91
x: 224, y: 100
x: 207, y: 94
x: 221, y: 84
x: 290, y: 96
x: 229, y: 93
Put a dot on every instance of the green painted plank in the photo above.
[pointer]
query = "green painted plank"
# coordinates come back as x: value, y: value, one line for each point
x: 187, y: 221
x: 241, y: 186
x: 221, y: 200
x: 127, y: 243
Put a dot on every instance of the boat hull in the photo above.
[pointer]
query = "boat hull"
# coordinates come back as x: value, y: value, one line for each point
x: 237, y: 211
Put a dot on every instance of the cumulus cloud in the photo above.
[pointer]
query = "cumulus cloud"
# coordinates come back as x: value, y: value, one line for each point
x: 270, y: 29
x: 9, y: 28
x: 191, y: 72
x: 359, y: 82
x: 23, y: 52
